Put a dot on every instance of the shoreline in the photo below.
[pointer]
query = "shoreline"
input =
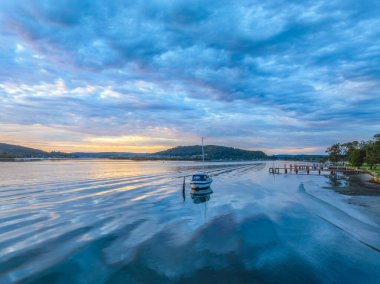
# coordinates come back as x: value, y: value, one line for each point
x: 360, y: 185
x: 123, y: 159
x: 362, y: 194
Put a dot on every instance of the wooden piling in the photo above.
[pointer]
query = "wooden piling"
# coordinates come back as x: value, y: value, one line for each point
x: 184, y: 190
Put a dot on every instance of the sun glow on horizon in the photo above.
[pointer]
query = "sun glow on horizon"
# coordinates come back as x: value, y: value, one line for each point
x: 66, y: 139
x: 51, y: 138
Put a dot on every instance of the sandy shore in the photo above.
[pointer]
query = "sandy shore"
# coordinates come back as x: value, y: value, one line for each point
x: 359, y: 185
x: 364, y: 195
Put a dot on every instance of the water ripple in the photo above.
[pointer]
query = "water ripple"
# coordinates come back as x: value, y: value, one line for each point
x: 118, y: 222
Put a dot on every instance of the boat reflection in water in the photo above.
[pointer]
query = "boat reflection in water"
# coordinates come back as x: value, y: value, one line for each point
x: 201, y: 195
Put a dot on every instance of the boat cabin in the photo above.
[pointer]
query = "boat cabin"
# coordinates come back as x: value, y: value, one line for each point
x: 200, y: 177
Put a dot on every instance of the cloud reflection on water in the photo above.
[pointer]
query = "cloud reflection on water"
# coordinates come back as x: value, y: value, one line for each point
x: 249, y: 227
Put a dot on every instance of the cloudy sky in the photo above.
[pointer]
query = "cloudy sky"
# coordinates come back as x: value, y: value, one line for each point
x: 280, y: 76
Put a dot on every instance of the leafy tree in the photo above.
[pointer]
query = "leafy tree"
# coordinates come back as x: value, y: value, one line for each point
x: 356, y: 157
x: 335, y: 153
x: 348, y: 147
x: 377, y: 138
x: 372, y: 150
x: 370, y: 158
x: 357, y: 152
x: 354, y: 152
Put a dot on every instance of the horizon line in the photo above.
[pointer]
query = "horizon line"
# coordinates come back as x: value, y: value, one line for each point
x: 113, y: 149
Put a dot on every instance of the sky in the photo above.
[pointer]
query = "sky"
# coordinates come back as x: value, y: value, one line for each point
x: 142, y: 76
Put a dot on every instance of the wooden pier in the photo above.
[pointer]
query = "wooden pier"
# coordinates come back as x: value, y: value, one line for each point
x: 316, y: 169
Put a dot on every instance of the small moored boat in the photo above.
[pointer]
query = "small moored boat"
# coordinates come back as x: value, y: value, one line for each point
x: 201, y: 180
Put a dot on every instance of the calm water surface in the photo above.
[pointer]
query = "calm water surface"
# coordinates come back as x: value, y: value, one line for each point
x: 132, y: 222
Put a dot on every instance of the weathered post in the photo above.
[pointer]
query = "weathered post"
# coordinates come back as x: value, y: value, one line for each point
x: 183, y: 190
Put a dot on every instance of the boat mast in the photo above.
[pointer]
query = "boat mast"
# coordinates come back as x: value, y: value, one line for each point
x: 203, y: 155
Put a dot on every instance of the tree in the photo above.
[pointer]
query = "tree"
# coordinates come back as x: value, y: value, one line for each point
x: 356, y: 157
x: 376, y: 149
x: 357, y: 153
x: 372, y: 150
x: 370, y: 154
x: 335, y: 153
x: 377, y: 137
x: 348, y: 147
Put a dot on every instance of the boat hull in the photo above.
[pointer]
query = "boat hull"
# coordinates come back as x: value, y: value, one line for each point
x: 200, y: 184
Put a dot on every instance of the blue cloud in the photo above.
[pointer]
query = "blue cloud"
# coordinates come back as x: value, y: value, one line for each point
x: 265, y: 71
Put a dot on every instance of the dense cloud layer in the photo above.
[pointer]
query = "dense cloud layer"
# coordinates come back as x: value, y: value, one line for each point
x: 252, y: 74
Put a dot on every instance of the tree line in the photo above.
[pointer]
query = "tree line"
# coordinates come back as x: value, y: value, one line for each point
x: 40, y: 154
x: 356, y: 153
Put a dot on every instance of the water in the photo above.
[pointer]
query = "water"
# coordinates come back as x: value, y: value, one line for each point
x: 107, y: 221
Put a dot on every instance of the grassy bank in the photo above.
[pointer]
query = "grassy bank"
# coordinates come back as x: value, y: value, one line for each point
x: 375, y: 169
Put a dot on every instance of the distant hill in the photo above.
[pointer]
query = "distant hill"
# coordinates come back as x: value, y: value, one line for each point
x: 212, y: 152
x: 15, y: 151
